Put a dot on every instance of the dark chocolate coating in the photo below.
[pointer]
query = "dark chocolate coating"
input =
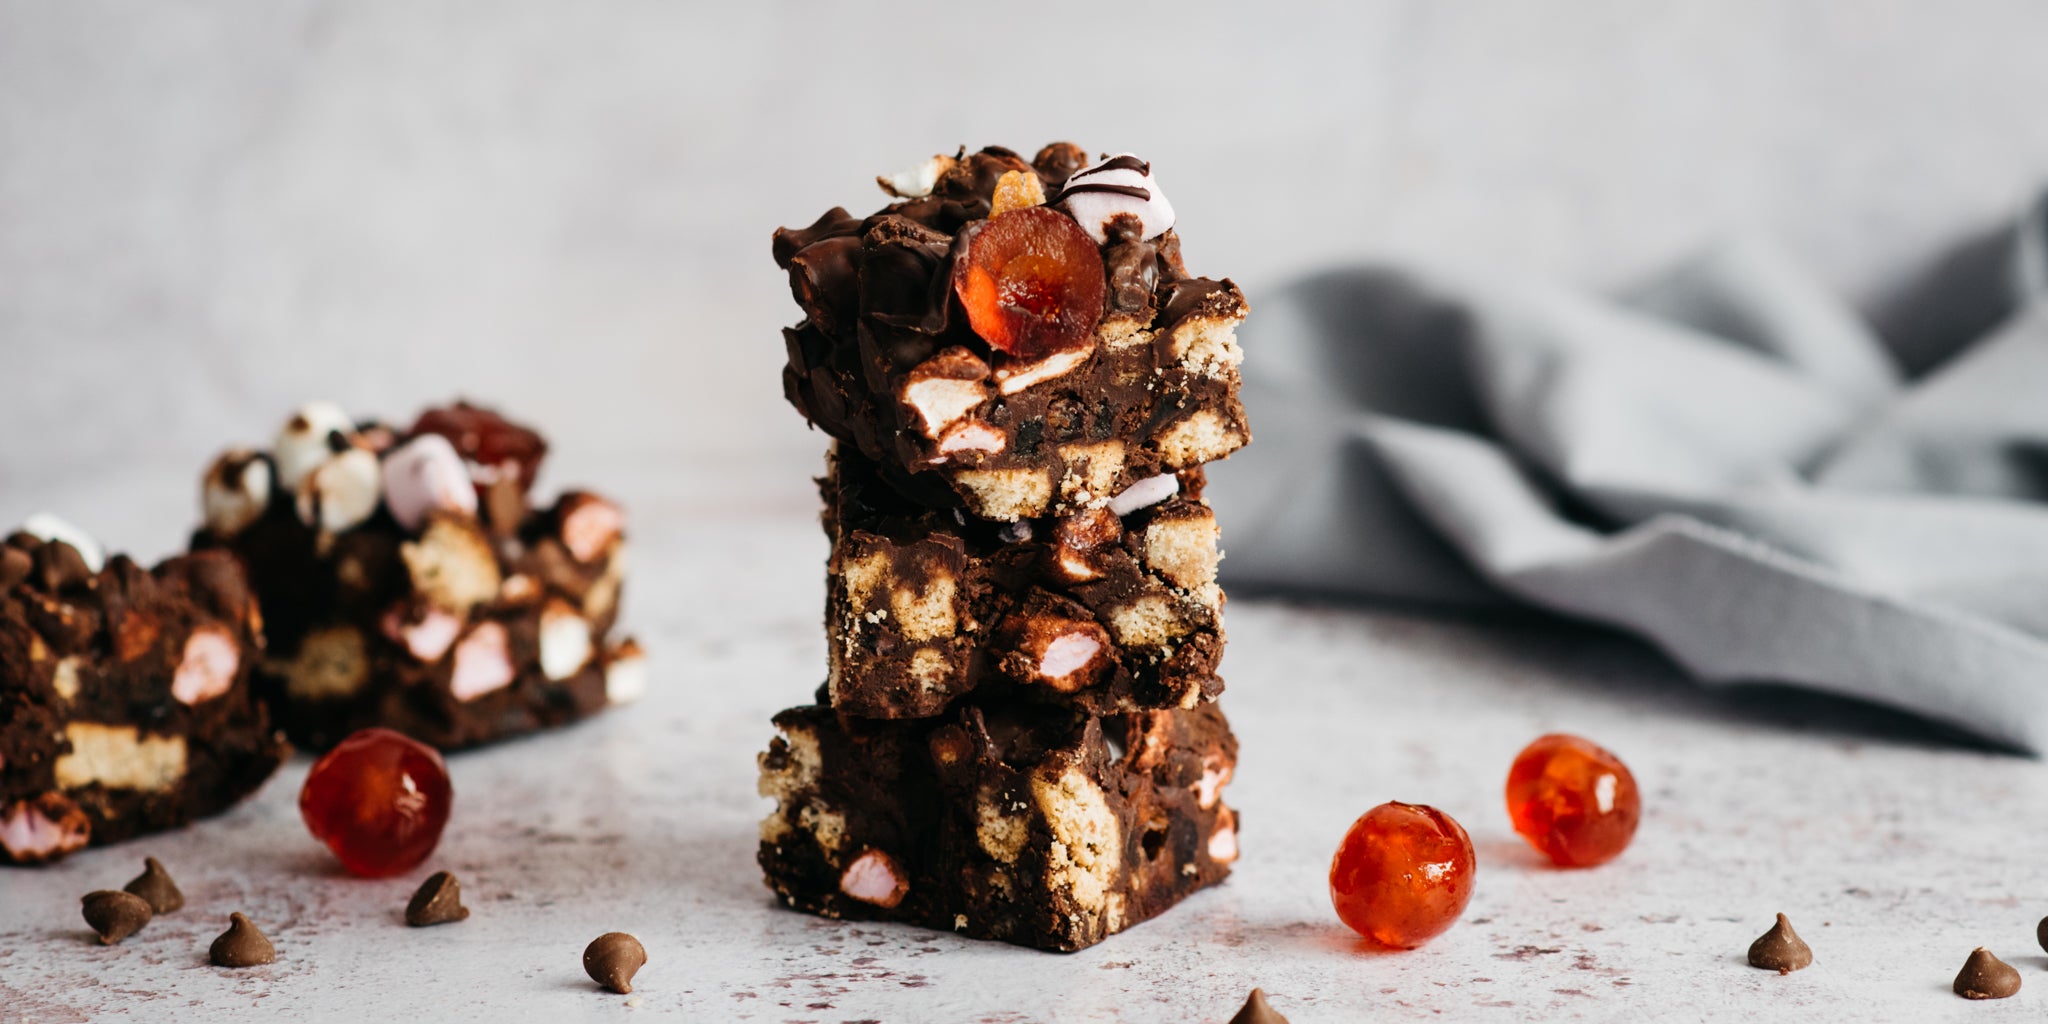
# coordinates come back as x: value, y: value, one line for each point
x: 100, y: 652
x: 1023, y: 824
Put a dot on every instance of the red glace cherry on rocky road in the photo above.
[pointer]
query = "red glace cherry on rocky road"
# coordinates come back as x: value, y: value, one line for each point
x: 1572, y: 800
x: 379, y: 800
x: 1031, y: 281
x: 1402, y: 875
x: 486, y: 441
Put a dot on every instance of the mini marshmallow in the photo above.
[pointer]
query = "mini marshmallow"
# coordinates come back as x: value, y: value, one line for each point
x: 625, y: 677
x: 1144, y: 494
x: 565, y: 645
x: 306, y: 442
x: 917, y: 181
x: 423, y: 475
x: 483, y: 663
x: 236, y: 492
x: 207, y: 669
x: 342, y: 492
x: 1088, y: 198
x: 48, y: 528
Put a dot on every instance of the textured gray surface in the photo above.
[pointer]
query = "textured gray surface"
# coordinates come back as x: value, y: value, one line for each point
x: 1894, y: 854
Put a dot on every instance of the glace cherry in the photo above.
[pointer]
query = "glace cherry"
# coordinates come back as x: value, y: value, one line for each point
x: 1402, y: 875
x: 490, y: 443
x: 1031, y: 281
x: 1572, y: 800
x: 379, y: 800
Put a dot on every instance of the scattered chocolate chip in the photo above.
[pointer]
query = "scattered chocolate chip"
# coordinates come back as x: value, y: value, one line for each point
x: 612, y: 959
x: 114, y: 915
x: 2041, y: 933
x: 437, y: 901
x: 241, y: 945
x: 155, y: 886
x: 1780, y: 949
x: 1986, y: 977
x: 1258, y: 1011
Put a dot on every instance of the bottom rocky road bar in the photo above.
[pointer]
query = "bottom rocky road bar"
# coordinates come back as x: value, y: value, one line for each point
x: 1025, y: 824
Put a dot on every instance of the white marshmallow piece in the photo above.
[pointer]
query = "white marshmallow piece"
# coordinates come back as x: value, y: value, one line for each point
x: 303, y: 445
x: 625, y: 678
x: 565, y: 645
x: 47, y: 528
x: 915, y: 182
x: 342, y: 492
x: 1093, y: 210
x: 236, y: 492
x: 423, y: 475
x: 483, y: 663
x: 1144, y: 494
x: 207, y: 669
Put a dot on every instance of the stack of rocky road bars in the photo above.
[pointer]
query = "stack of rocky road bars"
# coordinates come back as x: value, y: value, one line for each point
x: 1016, y: 738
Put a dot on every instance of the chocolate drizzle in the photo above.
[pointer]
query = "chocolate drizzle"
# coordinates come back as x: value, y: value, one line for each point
x: 1134, y: 191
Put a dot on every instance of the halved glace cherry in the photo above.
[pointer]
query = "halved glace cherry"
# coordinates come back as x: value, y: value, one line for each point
x: 487, y: 441
x: 379, y: 800
x: 1573, y: 800
x: 1031, y: 281
x: 1402, y: 875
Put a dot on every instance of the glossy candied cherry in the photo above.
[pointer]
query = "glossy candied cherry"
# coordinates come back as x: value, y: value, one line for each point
x: 487, y: 441
x: 1402, y: 875
x: 1573, y: 800
x: 1031, y: 282
x: 379, y: 800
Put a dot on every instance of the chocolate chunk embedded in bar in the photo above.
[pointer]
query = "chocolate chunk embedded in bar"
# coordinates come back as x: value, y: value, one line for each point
x: 408, y: 580
x: 967, y: 376
x: 1020, y: 823
x: 125, y: 697
x: 1095, y: 611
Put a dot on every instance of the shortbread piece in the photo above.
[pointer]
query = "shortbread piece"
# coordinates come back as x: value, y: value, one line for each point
x: 1025, y: 824
x: 125, y: 697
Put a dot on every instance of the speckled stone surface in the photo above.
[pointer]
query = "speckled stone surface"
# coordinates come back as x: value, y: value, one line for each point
x: 1894, y: 851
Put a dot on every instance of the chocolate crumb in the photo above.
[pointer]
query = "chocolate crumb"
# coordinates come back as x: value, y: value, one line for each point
x: 155, y: 886
x: 437, y: 901
x: 1780, y: 949
x: 1257, y: 1011
x: 612, y: 959
x: 114, y: 915
x: 1986, y: 977
x: 241, y: 945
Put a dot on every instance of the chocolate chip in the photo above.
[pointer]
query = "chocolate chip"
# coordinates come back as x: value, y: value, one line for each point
x: 612, y: 959
x: 1986, y: 977
x: 437, y: 901
x: 154, y: 885
x: 1780, y: 949
x: 241, y: 945
x: 2041, y: 933
x: 114, y: 915
x: 1257, y: 1011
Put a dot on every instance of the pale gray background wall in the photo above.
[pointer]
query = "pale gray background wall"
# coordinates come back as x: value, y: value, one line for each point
x: 210, y: 212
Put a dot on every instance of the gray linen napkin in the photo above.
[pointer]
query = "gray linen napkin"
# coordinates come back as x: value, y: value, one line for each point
x: 1726, y: 461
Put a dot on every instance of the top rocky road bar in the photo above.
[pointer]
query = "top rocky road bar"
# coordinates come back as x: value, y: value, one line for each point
x: 1018, y: 338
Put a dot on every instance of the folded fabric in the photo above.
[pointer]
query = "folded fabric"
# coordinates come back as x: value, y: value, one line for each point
x: 1727, y: 461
